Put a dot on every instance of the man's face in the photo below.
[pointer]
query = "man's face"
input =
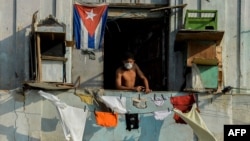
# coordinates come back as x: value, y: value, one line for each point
x: 128, y: 64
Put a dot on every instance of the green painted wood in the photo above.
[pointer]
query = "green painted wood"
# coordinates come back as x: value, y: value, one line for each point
x: 201, y: 19
x: 209, y: 75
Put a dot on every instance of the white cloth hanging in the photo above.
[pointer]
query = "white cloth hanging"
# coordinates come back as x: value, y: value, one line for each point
x: 72, y: 119
x: 161, y: 115
x: 117, y: 104
x: 194, y: 120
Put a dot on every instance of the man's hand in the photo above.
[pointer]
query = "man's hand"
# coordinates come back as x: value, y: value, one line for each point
x: 142, y: 89
x: 147, y: 91
x: 139, y: 88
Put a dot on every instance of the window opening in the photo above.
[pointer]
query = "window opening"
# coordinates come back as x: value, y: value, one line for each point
x: 142, y: 37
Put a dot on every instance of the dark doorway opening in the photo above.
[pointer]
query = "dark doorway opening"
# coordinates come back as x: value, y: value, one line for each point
x: 143, y: 37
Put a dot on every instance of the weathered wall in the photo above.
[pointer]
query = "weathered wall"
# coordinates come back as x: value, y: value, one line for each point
x: 89, y: 71
x: 31, y: 118
x: 13, y: 41
x: 28, y: 116
x: 14, y: 37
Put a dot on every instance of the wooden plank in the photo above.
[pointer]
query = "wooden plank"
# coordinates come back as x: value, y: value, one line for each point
x: 53, y: 58
x: 205, y: 61
x: 39, y: 62
x: 49, y: 86
x: 219, y: 55
x: 168, y: 7
x: 207, y: 35
x: 200, y: 49
x: 69, y: 43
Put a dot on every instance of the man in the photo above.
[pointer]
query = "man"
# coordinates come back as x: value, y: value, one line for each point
x: 126, y: 75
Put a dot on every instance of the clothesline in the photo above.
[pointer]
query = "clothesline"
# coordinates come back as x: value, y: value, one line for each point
x: 169, y: 109
x: 114, y: 104
x: 118, y: 103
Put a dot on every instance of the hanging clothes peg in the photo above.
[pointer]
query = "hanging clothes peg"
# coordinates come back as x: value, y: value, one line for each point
x: 139, y: 97
x: 84, y: 108
x: 163, y: 97
x: 154, y: 96
x: 120, y: 96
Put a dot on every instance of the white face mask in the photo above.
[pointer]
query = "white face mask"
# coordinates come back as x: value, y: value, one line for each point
x: 128, y: 65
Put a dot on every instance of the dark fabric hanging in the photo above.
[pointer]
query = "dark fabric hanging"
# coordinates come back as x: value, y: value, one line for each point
x: 132, y: 121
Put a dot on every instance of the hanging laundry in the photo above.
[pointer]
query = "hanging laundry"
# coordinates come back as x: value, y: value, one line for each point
x: 106, y: 119
x: 132, y: 121
x: 140, y: 103
x: 194, y: 120
x: 90, y: 95
x: 72, y: 119
x: 158, y: 101
x: 117, y: 104
x: 161, y: 115
x: 86, y: 98
x: 183, y: 103
x: 89, y: 25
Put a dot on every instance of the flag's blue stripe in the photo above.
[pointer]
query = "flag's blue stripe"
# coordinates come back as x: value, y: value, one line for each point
x: 77, y: 28
x: 91, y: 41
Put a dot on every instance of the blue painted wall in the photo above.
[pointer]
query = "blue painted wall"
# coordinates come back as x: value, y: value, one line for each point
x: 149, y: 129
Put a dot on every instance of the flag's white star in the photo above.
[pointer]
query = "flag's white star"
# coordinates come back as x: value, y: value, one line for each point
x: 90, y: 14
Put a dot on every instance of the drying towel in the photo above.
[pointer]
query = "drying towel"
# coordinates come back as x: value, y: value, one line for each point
x: 106, y: 119
x: 194, y: 120
x: 72, y: 119
x: 161, y: 115
x: 117, y: 104
x: 183, y: 103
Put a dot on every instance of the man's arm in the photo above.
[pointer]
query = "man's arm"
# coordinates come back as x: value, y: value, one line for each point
x: 144, y: 78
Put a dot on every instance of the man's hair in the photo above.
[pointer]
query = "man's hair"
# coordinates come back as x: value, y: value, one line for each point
x: 128, y: 55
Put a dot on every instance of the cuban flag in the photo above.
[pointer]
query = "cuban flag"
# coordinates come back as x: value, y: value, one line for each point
x: 89, y: 23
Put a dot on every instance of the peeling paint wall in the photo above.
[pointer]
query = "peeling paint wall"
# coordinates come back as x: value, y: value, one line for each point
x: 14, y: 38
x: 27, y: 116
x: 20, y: 122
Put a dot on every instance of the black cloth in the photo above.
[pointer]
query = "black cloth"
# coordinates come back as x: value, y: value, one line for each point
x: 132, y: 121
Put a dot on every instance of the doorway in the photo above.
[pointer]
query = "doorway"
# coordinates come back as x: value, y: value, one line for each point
x: 145, y: 39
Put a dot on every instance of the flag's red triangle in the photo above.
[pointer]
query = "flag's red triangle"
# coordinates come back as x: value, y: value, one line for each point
x: 90, y: 22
